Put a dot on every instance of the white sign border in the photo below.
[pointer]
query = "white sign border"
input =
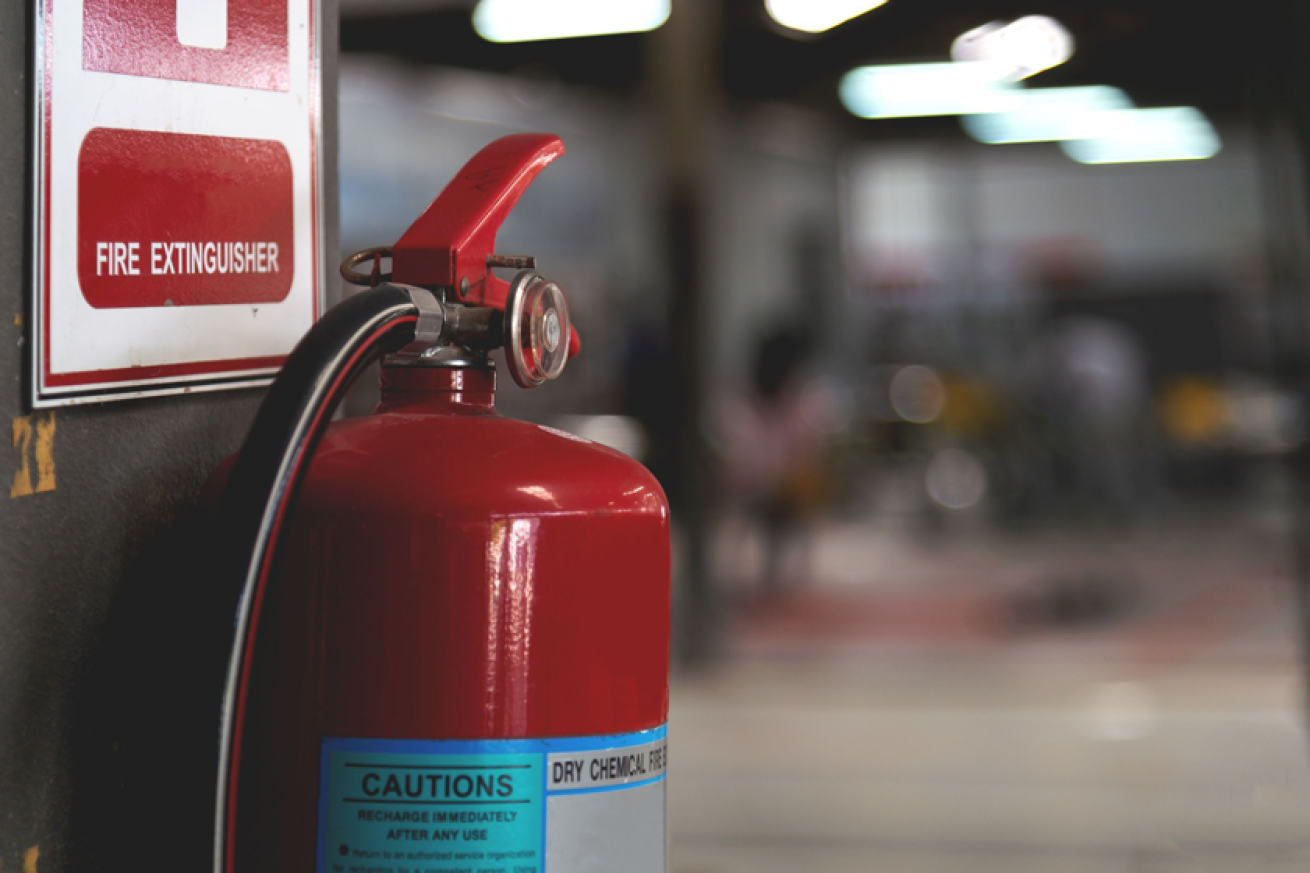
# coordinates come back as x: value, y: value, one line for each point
x: 42, y: 397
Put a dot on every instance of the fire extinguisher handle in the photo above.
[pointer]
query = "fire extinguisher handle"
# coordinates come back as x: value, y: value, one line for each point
x: 264, y: 481
x: 453, y: 243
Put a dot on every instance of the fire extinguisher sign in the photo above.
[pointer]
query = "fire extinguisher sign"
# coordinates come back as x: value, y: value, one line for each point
x: 493, y: 806
x: 176, y: 193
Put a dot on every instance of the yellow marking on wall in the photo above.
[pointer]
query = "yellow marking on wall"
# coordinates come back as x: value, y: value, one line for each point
x: 22, y: 439
x: 45, y: 454
x: 18, y: 320
x: 30, y: 859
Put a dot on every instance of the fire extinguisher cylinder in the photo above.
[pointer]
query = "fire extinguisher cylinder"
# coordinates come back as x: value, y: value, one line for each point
x: 452, y: 646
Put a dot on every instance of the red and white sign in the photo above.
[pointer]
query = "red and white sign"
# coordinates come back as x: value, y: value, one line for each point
x: 177, y: 194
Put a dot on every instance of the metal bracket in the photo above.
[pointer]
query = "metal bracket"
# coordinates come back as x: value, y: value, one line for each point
x: 431, y: 328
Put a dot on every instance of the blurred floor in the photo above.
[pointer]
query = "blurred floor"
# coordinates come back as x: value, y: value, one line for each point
x: 891, y: 715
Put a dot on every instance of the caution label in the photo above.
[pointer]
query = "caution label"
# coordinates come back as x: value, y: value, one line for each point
x: 493, y: 806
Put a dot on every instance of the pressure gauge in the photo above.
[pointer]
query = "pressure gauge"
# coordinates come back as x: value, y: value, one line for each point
x: 536, y: 330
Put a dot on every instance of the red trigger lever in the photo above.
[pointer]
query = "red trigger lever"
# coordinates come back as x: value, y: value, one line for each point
x: 452, y: 244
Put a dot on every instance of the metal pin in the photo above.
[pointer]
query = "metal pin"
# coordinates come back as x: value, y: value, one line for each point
x: 514, y: 262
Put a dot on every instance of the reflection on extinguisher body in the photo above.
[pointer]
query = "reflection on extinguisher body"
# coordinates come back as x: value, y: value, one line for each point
x: 543, y: 493
x: 511, y: 553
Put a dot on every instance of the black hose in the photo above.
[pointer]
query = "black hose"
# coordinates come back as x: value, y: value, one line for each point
x: 265, y: 479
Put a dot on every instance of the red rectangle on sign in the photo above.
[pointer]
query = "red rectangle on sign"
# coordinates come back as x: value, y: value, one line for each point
x: 170, y: 219
x: 140, y: 38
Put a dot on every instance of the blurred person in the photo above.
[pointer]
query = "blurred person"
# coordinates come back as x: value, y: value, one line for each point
x: 1092, y: 391
x: 771, y: 438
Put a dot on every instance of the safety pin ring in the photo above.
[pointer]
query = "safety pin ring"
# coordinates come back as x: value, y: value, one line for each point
x: 371, y: 279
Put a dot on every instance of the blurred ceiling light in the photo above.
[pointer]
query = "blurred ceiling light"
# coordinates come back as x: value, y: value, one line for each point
x: 956, y: 479
x: 1176, y: 133
x: 816, y: 16
x: 1048, y: 115
x: 916, y: 90
x: 917, y: 394
x: 1024, y: 47
x: 526, y: 20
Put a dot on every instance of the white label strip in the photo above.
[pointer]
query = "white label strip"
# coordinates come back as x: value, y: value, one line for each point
x: 570, y: 771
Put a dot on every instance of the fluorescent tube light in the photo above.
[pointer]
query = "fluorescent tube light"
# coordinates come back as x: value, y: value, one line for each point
x: 1176, y: 133
x: 528, y: 20
x: 917, y: 90
x: 816, y: 16
x: 1048, y: 115
x: 1026, y: 46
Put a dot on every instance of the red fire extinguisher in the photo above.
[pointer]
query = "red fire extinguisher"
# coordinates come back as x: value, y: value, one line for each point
x: 452, y: 646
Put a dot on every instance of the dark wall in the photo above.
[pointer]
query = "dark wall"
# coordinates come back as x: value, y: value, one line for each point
x: 111, y: 638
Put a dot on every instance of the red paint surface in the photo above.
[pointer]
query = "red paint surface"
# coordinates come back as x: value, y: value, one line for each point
x: 139, y: 38
x: 148, y: 187
x: 450, y: 574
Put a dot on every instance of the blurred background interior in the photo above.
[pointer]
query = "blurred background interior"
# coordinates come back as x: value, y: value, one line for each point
x: 969, y: 340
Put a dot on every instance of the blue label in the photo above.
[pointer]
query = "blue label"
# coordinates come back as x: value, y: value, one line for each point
x: 468, y: 806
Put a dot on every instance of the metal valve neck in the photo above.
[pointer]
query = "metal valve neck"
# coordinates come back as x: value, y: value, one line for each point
x: 451, y: 357
x: 439, y: 390
x: 448, y: 335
